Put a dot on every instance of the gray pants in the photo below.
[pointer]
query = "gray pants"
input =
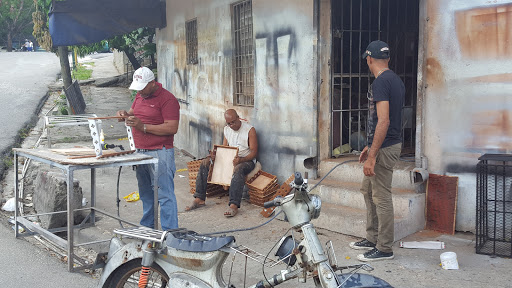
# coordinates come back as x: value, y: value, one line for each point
x: 237, y: 181
x: 380, y: 225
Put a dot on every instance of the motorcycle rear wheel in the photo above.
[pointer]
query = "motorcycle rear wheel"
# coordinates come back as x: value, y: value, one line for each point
x: 127, y: 276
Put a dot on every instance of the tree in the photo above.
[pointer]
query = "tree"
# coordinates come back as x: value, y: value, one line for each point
x: 15, y: 19
x: 128, y: 43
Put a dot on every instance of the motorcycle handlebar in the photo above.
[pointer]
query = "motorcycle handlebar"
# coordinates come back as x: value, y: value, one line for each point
x: 269, y: 204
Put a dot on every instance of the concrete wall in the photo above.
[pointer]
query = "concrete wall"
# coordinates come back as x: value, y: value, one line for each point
x: 285, y: 106
x: 468, y: 84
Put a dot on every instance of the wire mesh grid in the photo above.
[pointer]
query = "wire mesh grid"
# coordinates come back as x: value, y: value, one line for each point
x: 494, y: 205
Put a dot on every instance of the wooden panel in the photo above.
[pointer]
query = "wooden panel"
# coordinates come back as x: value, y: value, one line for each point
x: 92, y: 161
x: 441, y: 203
x: 221, y: 171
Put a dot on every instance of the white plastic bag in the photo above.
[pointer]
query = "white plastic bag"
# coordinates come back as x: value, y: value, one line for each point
x: 9, y: 205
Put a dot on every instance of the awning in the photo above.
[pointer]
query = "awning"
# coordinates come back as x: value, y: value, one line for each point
x: 76, y: 22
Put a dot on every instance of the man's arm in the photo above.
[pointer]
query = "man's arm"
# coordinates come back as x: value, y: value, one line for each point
x: 381, y: 130
x: 169, y: 127
x: 253, y: 146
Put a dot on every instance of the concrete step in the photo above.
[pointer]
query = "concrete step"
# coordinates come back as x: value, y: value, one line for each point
x: 351, y: 221
x: 353, y: 171
x: 345, y: 209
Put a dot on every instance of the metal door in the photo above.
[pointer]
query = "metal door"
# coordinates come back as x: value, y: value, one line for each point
x: 355, y: 23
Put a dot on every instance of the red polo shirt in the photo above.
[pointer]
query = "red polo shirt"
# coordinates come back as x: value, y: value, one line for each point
x: 154, y: 110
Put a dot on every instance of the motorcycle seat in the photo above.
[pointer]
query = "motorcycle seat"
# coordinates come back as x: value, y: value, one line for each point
x: 191, y: 242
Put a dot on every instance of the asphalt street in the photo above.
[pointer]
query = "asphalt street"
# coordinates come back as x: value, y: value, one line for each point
x: 24, y: 83
x: 24, y: 80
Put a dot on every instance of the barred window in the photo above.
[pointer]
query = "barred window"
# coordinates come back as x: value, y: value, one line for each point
x: 191, y: 35
x: 243, y: 59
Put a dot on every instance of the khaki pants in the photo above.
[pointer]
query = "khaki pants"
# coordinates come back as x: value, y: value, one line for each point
x: 380, y: 226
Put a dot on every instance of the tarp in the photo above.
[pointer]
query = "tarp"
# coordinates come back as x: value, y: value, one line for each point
x: 76, y: 22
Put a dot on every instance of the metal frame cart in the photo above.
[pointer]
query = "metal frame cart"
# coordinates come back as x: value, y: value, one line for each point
x: 69, y: 166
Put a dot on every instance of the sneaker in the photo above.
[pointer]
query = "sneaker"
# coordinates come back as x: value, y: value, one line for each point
x: 362, y: 245
x: 375, y: 255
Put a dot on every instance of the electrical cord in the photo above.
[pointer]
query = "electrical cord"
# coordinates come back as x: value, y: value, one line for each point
x: 344, y: 162
x: 258, y: 226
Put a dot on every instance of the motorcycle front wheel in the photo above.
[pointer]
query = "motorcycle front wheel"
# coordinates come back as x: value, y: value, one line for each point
x: 127, y: 275
x: 360, y: 280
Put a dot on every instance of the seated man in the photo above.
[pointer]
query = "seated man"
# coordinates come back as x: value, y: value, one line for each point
x: 236, y: 134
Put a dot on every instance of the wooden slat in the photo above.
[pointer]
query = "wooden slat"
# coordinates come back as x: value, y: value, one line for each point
x: 441, y: 203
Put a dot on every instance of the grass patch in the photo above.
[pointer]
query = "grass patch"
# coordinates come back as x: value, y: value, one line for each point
x: 81, y: 73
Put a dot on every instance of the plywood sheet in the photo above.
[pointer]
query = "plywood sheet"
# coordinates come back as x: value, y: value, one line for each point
x: 441, y: 203
x: 80, y: 151
x: 261, y: 182
x: 91, y: 161
x: 222, y: 168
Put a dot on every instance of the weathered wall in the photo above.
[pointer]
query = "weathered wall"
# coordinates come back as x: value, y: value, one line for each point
x: 467, y: 100
x: 285, y: 108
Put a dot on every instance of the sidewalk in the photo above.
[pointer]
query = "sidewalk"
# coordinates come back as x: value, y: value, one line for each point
x: 411, y: 267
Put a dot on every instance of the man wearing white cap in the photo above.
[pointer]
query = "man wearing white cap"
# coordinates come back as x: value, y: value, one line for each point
x: 154, y: 118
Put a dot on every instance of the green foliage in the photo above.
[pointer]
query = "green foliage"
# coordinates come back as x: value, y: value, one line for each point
x: 81, y: 72
x: 133, y: 93
x: 8, y: 161
x: 15, y: 20
x: 62, y: 104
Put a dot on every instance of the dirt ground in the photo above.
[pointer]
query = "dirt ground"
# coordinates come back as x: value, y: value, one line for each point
x: 410, y: 268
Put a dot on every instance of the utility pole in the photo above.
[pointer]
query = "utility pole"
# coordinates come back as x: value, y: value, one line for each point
x: 64, y: 66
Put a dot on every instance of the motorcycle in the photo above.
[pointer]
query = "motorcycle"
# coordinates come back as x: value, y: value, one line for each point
x: 183, y: 258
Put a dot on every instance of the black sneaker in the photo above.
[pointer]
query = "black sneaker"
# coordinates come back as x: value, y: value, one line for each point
x: 362, y: 245
x: 375, y: 255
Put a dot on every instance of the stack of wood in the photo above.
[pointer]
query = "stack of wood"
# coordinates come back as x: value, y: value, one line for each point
x: 262, y: 188
x: 282, y: 191
x: 193, y: 170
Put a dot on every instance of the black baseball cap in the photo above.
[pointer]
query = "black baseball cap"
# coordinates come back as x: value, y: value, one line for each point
x: 377, y: 49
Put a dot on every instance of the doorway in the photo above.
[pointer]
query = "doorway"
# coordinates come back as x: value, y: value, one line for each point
x: 355, y: 23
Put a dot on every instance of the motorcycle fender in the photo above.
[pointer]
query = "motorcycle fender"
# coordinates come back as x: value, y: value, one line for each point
x: 118, y: 254
x: 185, y: 280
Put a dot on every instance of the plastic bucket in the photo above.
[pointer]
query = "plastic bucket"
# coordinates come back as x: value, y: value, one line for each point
x: 449, y: 261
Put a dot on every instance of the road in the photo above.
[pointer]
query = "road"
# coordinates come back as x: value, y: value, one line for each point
x: 24, y: 80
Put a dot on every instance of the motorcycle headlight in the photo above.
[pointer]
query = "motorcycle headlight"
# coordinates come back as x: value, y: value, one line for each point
x: 285, y: 250
x: 317, y: 206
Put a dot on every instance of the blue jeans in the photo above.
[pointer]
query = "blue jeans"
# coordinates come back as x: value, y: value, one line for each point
x: 166, y: 196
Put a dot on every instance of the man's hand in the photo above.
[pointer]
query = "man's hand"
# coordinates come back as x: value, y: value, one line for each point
x: 122, y: 113
x: 369, y: 166
x: 135, y: 122
x: 363, y: 155
x: 236, y: 161
x: 212, y: 155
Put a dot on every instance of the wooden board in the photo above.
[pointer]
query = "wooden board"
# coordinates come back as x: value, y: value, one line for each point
x: 222, y: 168
x: 261, y: 182
x: 92, y: 161
x: 441, y: 203
x: 80, y: 151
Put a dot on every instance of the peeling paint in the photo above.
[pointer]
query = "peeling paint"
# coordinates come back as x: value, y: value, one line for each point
x: 283, y: 114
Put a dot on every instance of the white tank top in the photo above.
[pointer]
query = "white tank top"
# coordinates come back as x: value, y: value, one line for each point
x: 239, y: 138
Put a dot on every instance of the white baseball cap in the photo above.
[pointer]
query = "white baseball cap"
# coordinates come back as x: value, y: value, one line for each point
x: 141, y: 78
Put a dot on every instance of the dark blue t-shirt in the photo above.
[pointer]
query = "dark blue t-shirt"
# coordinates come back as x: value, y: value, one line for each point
x: 387, y: 87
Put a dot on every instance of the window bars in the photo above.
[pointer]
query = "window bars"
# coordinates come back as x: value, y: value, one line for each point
x: 243, y: 58
x: 354, y: 25
x: 191, y: 38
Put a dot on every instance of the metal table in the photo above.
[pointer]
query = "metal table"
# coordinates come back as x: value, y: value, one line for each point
x: 69, y: 166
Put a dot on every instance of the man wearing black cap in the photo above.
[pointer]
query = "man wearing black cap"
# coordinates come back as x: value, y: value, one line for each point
x: 385, y: 99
